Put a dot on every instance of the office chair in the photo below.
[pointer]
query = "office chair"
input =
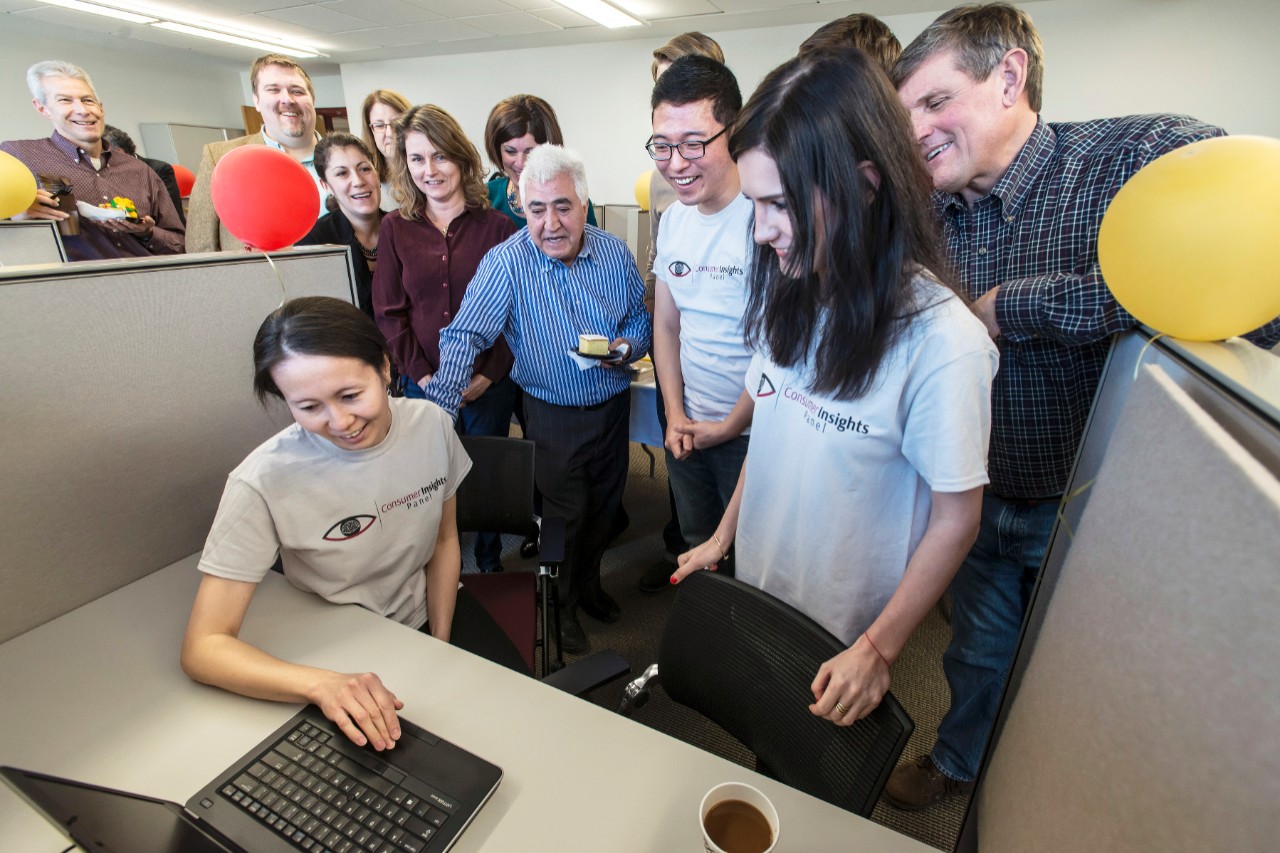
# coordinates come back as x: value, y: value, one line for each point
x: 497, y: 495
x: 745, y: 660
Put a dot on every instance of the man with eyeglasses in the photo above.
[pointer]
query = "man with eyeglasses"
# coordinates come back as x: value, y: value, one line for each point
x: 704, y: 245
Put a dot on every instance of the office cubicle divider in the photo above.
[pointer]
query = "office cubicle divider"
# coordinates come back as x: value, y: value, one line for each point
x: 1144, y: 698
x: 126, y: 401
x: 30, y: 241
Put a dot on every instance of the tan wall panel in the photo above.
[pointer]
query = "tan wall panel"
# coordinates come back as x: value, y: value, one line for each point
x: 1146, y: 716
x: 126, y: 400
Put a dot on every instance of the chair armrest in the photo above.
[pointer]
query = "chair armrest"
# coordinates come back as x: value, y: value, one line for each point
x: 551, y: 542
x: 581, y: 677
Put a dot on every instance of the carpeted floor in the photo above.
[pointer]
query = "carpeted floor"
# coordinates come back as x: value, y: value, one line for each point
x: 917, y: 676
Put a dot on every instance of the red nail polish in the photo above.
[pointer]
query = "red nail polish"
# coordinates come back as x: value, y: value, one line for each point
x: 673, y: 578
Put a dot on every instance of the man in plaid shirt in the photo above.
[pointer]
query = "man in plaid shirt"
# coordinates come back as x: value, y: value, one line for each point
x: 1021, y: 201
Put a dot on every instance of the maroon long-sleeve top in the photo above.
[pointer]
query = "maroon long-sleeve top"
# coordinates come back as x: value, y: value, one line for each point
x: 421, y: 278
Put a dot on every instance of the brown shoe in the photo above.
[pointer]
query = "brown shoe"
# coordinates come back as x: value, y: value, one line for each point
x: 921, y: 784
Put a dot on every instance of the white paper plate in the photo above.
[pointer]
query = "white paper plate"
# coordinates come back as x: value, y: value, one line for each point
x: 89, y: 211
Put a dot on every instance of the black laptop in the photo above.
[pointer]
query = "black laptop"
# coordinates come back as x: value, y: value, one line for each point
x: 306, y: 787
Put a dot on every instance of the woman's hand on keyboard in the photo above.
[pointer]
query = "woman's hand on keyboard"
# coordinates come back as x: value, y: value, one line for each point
x: 361, y: 706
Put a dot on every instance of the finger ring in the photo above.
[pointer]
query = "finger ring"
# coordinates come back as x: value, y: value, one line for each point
x: 841, y: 709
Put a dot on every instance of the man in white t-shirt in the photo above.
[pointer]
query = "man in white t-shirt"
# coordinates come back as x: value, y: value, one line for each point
x: 704, y: 245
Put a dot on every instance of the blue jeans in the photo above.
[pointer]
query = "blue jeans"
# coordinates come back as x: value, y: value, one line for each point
x: 989, y: 597
x: 490, y: 415
x: 703, y: 482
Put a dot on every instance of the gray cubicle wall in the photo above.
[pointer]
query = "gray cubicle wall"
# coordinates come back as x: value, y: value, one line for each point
x: 1144, y: 702
x: 30, y: 241
x: 125, y: 402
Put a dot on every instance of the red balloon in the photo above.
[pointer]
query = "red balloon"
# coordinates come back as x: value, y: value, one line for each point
x: 264, y: 197
x: 186, y: 179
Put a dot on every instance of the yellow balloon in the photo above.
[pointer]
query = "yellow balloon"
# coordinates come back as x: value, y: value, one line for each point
x: 17, y: 186
x: 1188, y: 244
x: 642, y: 189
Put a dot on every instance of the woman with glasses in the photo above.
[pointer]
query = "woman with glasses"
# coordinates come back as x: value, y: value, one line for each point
x: 381, y: 109
x: 516, y: 126
x: 346, y: 170
x: 431, y: 247
x: 862, y: 488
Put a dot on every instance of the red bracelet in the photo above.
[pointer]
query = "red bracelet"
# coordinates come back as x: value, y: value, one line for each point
x: 873, y: 647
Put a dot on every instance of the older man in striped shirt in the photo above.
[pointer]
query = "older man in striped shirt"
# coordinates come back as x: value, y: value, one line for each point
x: 541, y: 288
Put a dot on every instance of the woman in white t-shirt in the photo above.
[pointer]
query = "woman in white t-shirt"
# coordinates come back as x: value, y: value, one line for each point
x: 862, y: 488
x: 356, y: 498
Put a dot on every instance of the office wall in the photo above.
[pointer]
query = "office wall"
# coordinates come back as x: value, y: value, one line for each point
x: 131, y: 89
x: 1214, y: 59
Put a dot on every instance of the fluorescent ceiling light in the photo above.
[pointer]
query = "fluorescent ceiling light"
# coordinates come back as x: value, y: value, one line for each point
x: 179, y: 24
x: 105, y: 11
x: 200, y: 32
x: 602, y: 13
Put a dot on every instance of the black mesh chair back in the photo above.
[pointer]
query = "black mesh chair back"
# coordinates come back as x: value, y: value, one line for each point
x: 745, y: 660
x: 497, y: 494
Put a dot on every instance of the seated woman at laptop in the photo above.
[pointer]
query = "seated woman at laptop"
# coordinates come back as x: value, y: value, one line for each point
x: 356, y: 498
x: 862, y: 490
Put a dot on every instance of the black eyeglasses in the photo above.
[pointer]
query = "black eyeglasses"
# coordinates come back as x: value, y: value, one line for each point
x: 691, y: 150
x: 379, y: 125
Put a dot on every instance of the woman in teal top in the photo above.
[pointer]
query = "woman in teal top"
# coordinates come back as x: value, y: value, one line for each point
x: 516, y: 126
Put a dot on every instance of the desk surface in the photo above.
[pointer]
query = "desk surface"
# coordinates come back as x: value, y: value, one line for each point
x: 97, y: 695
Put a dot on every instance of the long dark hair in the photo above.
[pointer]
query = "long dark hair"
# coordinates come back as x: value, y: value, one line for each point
x: 818, y: 117
x: 314, y: 325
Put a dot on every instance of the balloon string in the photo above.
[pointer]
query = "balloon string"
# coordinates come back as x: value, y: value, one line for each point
x: 1068, y: 498
x: 1143, y: 352
x: 278, y: 278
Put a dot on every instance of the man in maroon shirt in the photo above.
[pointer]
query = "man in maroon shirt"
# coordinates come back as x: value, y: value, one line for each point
x: 76, y: 154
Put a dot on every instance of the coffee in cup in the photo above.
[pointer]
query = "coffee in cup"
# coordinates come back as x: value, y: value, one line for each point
x: 737, y: 818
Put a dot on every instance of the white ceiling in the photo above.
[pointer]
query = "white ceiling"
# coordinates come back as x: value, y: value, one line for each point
x: 362, y: 30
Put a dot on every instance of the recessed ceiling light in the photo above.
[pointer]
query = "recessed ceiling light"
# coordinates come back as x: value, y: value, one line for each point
x: 105, y: 11
x: 602, y: 13
x: 214, y: 35
x: 178, y: 23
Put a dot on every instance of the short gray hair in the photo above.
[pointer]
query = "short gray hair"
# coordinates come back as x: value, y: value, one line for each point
x: 980, y: 34
x: 548, y: 162
x: 37, y: 73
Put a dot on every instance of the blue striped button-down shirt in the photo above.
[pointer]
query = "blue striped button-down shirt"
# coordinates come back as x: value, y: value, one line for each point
x: 540, y: 306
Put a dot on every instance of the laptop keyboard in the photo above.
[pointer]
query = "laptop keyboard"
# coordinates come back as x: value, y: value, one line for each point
x: 323, y: 793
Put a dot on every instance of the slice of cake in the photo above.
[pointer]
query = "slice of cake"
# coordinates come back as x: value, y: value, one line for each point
x: 593, y: 345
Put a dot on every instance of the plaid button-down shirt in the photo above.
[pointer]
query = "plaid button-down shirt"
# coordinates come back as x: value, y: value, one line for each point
x: 1036, y: 237
x: 121, y: 174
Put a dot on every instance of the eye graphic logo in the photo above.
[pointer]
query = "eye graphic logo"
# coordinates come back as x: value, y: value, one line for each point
x: 679, y: 269
x: 765, y: 388
x: 349, y: 528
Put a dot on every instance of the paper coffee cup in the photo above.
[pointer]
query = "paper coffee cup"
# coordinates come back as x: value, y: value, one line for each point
x: 737, y: 818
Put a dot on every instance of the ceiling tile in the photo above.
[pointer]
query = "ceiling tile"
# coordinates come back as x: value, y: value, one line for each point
x: 387, y: 13
x: 319, y: 18
x: 759, y: 5
x: 466, y: 8
x: 564, y: 18
x: 509, y: 24
x: 243, y: 6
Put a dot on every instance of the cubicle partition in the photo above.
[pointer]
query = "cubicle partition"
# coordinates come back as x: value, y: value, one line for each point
x: 126, y: 400
x: 30, y: 241
x: 1144, y: 702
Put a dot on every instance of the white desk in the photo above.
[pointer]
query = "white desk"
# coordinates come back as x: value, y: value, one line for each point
x: 97, y: 695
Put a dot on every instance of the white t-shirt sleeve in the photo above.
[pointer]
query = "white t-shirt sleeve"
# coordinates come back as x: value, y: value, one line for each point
x: 948, y: 424
x: 242, y: 544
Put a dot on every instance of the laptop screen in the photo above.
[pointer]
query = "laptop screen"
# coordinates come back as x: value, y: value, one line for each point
x: 100, y: 819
